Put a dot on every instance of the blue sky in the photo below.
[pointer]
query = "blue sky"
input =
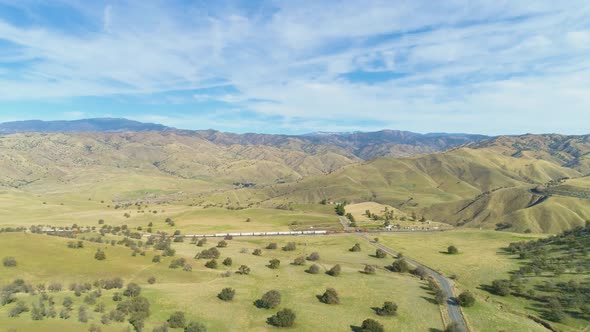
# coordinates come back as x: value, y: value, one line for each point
x: 491, y: 67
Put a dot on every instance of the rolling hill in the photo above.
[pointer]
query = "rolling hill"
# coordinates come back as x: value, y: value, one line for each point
x: 475, y: 187
x: 523, y: 183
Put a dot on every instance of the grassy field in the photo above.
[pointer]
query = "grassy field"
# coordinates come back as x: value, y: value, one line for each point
x: 479, y: 262
x: 405, y: 221
x: 47, y: 259
x: 25, y: 209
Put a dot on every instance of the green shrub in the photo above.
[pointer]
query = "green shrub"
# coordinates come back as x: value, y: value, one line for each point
x: 227, y: 294
x: 177, y: 320
x: 283, y: 318
x: 330, y: 296
x: 466, y: 299
x: 371, y: 325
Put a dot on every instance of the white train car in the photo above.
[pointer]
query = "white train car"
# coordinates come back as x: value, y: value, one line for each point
x: 235, y: 234
x: 246, y: 234
x: 220, y: 234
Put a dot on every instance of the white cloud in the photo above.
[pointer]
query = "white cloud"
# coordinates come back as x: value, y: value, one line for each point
x: 492, y: 65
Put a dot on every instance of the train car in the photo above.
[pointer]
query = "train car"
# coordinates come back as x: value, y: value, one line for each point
x: 321, y: 232
x: 220, y: 234
x: 246, y: 234
x: 235, y: 234
x: 284, y: 233
x: 271, y: 233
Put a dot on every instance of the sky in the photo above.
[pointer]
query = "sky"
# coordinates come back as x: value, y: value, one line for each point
x: 490, y: 67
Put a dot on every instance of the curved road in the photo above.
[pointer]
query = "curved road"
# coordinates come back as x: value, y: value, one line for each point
x: 446, y: 284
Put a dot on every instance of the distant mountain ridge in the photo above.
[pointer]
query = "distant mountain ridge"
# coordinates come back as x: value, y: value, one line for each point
x: 364, y: 145
x: 83, y: 125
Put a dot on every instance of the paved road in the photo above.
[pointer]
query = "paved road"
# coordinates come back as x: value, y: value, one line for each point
x: 445, y: 283
x: 345, y: 223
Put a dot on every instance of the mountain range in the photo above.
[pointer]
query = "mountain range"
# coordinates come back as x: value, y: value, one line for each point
x: 364, y: 145
x: 535, y: 183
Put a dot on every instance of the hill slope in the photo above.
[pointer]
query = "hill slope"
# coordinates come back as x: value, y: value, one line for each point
x: 472, y: 187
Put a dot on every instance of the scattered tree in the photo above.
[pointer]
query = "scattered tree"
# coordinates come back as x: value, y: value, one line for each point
x: 274, y: 263
x: 355, y: 248
x: 269, y: 300
x: 466, y: 299
x: 389, y: 309
x: 371, y: 325
x: 299, y: 261
x: 399, y: 265
x: 380, y: 253
x: 100, y: 255
x: 257, y: 252
x: 195, y: 327
x: 314, y: 256
x: 501, y: 287
x: 227, y: 294
x: 177, y: 320
x: 272, y: 246
x: 291, y: 246
x: 82, y: 314
x: 209, y: 254
x: 313, y: 269
x: 370, y: 269
x: 222, y: 244
x: 132, y: 290
x: 555, y: 311
x: 452, y: 250
x: 283, y: 318
x: 227, y: 262
x: 9, y: 261
x: 212, y: 264
x: 330, y: 296
x: 244, y: 269
x: 340, y: 210
x: 335, y: 270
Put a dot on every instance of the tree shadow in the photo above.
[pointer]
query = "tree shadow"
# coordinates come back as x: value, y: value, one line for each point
x: 429, y: 300
x: 355, y: 328
x: 434, y: 329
